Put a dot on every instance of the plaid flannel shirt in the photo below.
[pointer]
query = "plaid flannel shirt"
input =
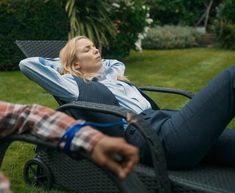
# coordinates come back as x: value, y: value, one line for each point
x: 44, y: 123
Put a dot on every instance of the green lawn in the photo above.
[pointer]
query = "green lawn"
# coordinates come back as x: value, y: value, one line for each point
x: 188, y: 69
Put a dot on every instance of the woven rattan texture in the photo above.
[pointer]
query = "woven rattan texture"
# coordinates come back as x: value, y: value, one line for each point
x: 148, y: 177
x: 44, y: 48
x: 85, y: 177
x: 206, y: 179
x: 80, y: 176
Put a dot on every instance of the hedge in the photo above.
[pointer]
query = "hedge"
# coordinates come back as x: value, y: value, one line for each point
x: 165, y: 37
x: 27, y: 19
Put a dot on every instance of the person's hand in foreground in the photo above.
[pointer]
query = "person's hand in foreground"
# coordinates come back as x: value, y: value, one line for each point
x: 105, y: 154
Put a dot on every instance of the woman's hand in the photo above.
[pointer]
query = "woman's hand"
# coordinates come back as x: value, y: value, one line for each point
x: 108, y: 149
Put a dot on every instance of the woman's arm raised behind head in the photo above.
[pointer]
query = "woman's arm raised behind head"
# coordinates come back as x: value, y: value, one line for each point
x: 45, y: 73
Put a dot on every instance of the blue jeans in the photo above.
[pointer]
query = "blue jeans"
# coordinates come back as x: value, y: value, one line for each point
x: 197, y: 131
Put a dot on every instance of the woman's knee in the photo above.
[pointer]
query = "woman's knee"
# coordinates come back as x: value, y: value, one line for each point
x: 231, y: 70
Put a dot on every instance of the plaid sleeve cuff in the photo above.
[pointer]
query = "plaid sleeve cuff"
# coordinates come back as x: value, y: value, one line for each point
x: 86, y: 139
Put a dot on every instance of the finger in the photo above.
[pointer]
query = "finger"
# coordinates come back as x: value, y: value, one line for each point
x: 129, y: 152
x: 131, y: 157
x: 129, y: 166
x: 116, y: 168
x: 126, y: 150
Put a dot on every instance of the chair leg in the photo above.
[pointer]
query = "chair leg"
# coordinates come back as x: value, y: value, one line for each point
x: 4, y: 144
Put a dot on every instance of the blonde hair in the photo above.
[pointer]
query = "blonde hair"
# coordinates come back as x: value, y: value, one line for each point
x: 68, y: 59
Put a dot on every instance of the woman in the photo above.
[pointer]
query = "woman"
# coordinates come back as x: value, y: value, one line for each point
x: 194, y: 133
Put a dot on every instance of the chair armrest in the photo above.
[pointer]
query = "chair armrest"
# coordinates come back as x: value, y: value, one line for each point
x: 5, y: 142
x: 32, y: 139
x: 185, y: 93
x: 149, y: 135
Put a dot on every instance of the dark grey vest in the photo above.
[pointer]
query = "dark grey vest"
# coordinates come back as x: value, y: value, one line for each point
x: 93, y: 91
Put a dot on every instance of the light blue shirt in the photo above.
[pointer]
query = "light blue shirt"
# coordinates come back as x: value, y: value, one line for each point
x: 45, y: 72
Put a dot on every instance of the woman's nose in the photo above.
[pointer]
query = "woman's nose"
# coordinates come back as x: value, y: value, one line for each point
x: 95, y: 50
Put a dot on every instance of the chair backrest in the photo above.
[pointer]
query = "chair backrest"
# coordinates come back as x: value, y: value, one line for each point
x: 42, y: 48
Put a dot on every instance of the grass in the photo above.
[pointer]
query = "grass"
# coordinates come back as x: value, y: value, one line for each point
x: 188, y: 69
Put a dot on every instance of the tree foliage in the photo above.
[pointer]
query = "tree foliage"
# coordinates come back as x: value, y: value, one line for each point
x: 90, y: 18
x: 29, y: 19
x: 177, y: 12
x: 225, y: 25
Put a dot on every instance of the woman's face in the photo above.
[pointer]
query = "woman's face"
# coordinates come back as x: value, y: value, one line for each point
x: 89, y: 59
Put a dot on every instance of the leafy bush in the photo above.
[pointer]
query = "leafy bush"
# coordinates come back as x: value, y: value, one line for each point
x: 179, y: 12
x: 171, y: 37
x: 130, y: 17
x: 28, y: 19
x: 226, y: 11
x: 225, y: 25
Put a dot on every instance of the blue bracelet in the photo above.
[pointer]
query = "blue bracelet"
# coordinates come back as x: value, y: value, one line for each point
x: 70, y: 133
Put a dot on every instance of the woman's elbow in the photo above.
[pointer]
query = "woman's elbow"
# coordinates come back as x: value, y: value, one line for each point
x: 25, y: 64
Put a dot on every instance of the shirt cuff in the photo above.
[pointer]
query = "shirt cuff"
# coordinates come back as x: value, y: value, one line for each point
x: 86, y: 139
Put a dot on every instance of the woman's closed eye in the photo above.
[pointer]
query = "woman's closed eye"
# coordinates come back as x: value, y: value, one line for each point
x: 86, y: 50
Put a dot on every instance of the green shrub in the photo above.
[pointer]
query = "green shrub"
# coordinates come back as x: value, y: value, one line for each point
x: 225, y: 25
x: 226, y: 11
x: 225, y: 34
x: 179, y: 12
x: 130, y: 17
x: 164, y: 37
x: 28, y: 19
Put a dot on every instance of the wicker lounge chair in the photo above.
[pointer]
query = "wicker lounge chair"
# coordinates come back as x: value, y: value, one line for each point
x: 203, y: 178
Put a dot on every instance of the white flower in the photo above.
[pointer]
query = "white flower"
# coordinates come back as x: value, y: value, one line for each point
x: 116, y: 5
x: 140, y: 36
x: 146, y: 29
x: 138, y: 45
x: 149, y: 20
